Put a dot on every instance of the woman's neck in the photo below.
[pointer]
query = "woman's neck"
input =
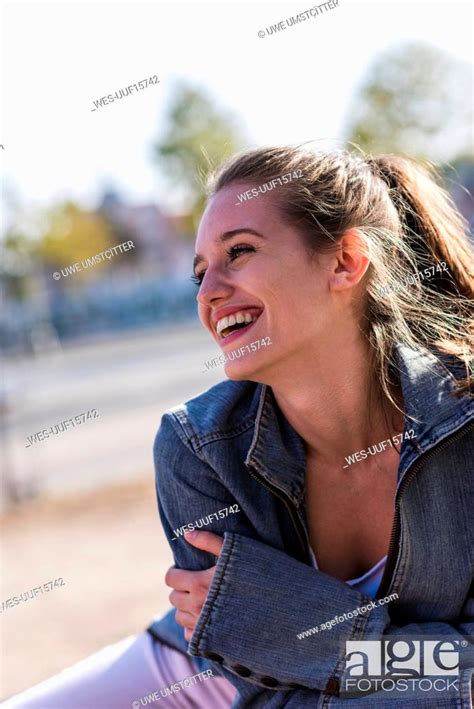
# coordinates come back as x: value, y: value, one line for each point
x: 327, y: 403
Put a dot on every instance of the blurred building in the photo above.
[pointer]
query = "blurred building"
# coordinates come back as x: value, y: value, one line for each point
x: 144, y: 286
x: 162, y: 249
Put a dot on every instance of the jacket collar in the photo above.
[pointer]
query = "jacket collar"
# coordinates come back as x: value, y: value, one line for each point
x: 278, y: 454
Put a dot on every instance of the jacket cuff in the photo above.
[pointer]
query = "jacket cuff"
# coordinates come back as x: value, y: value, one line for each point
x: 258, y: 601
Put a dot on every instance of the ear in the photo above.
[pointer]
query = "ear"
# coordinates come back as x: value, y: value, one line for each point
x: 351, y: 261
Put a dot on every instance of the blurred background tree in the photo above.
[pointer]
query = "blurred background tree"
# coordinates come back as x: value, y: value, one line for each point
x: 48, y: 239
x: 68, y: 234
x: 415, y: 100
x: 17, y: 261
x: 198, y: 136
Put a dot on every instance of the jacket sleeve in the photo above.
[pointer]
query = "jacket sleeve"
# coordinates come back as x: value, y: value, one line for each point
x: 187, y: 490
x: 261, y: 599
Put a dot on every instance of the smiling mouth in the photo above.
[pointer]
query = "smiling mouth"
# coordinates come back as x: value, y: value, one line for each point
x: 230, y: 323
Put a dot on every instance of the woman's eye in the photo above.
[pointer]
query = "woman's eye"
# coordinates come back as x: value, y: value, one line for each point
x: 233, y: 253
x: 197, y: 278
x: 239, y: 249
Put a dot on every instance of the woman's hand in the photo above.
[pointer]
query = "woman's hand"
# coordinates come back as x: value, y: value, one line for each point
x: 190, y: 588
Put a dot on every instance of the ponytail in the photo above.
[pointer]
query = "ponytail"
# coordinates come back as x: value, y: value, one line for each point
x: 435, y: 230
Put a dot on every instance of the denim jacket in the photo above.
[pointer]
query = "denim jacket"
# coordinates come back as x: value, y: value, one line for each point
x: 232, y: 445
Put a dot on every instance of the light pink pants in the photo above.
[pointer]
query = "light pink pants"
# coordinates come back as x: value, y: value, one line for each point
x: 130, y: 674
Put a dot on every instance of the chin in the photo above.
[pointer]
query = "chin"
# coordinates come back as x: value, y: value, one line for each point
x: 243, y: 371
x: 237, y: 372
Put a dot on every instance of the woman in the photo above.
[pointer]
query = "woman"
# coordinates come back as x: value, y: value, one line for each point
x: 334, y: 466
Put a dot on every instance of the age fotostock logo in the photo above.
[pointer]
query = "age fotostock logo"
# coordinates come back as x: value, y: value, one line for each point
x: 402, y: 665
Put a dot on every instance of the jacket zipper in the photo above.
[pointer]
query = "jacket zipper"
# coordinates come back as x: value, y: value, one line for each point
x: 289, y: 506
x: 391, y: 557
x: 409, y: 475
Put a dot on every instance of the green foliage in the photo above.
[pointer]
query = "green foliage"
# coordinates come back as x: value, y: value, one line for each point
x: 48, y: 240
x: 414, y: 100
x: 17, y: 258
x: 198, y: 137
x: 70, y: 234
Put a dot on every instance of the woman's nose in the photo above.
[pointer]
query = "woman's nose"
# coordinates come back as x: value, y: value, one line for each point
x: 213, y: 287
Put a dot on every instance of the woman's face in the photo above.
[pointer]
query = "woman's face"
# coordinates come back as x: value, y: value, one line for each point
x: 261, y: 296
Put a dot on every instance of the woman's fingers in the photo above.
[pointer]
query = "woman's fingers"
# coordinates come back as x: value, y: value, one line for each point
x: 180, y: 579
x: 206, y: 541
x: 185, y: 602
x: 186, y: 620
x: 190, y: 588
x: 196, y: 582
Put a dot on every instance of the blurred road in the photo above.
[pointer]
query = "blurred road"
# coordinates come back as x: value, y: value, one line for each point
x: 130, y: 379
x: 110, y: 550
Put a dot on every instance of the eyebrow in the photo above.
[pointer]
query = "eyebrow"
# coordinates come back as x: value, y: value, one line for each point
x: 225, y: 237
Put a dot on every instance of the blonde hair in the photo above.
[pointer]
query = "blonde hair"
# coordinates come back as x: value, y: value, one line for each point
x: 409, y: 223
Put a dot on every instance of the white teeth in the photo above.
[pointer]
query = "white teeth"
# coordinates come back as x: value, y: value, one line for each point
x: 222, y: 324
x: 233, y: 319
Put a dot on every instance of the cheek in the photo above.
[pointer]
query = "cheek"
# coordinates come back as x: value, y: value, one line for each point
x: 296, y: 303
x: 201, y: 314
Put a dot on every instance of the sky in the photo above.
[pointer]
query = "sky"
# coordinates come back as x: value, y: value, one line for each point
x: 292, y: 86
